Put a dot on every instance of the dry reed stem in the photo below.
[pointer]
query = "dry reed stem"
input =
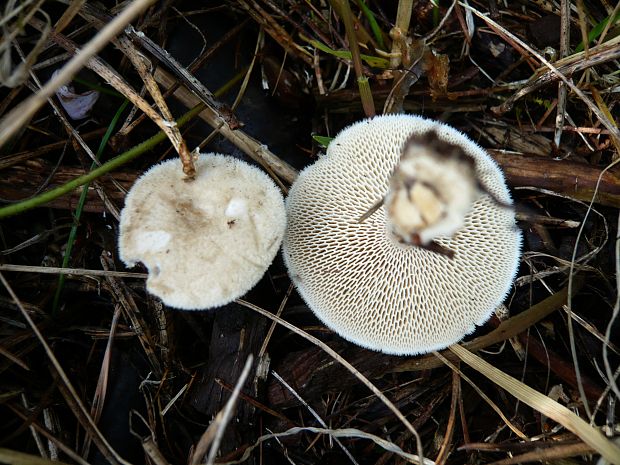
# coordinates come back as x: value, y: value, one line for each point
x: 250, y: 146
x: 22, y: 113
x: 543, y: 404
x: 332, y: 353
x: 82, y: 415
x: 214, y: 433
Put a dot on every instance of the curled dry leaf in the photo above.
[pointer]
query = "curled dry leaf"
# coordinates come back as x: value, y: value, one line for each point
x: 77, y: 106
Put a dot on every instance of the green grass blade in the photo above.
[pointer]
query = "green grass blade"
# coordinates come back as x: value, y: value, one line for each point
x: 375, y: 62
x: 80, y: 208
x: 105, y: 168
x: 596, y: 31
x: 372, y: 21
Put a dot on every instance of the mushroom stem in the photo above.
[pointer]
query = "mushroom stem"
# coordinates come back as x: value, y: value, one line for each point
x: 187, y: 160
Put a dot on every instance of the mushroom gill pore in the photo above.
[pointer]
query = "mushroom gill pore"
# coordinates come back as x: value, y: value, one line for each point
x: 368, y: 287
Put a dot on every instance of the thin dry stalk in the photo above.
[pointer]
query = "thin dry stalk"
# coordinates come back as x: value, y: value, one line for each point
x: 103, y: 445
x: 332, y: 353
x: 14, y: 358
x: 543, y: 404
x: 316, y: 416
x: 611, y: 377
x: 609, y: 24
x: 250, y: 146
x: 214, y: 433
x: 22, y: 113
x: 13, y: 457
x: 102, y: 383
x: 272, y: 327
x: 51, y: 438
x: 71, y: 271
x: 277, y: 32
x: 15, y: 77
x: 444, y: 450
x: 35, y: 435
x: 134, y: 315
x: 351, y: 433
x: 486, y: 398
x: 549, y: 455
x: 583, y: 26
x: 584, y: 399
x: 196, y: 64
x: 562, y: 91
x: 169, y: 126
x: 260, y: 39
x: 72, y: 10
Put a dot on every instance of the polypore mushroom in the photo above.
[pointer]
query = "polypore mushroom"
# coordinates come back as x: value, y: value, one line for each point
x: 205, y: 242
x: 361, y: 278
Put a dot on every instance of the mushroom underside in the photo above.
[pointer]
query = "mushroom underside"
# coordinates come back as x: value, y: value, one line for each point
x: 366, y: 286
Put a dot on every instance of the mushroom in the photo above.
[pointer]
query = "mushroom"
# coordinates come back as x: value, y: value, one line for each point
x: 369, y: 281
x: 205, y: 242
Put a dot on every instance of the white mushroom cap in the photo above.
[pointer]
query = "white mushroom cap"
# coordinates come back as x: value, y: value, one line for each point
x: 205, y: 242
x: 364, y: 284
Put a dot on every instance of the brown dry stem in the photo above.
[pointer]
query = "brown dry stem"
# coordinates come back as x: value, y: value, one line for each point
x: 20, y: 115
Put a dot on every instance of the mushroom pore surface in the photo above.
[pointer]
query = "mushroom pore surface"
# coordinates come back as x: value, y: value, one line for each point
x: 207, y: 241
x: 364, y: 284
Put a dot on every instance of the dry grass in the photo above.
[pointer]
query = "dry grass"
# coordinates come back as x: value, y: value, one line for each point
x: 94, y: 370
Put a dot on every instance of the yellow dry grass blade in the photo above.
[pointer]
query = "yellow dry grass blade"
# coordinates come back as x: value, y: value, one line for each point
x: 543, y: 404
x: 12, y: 457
